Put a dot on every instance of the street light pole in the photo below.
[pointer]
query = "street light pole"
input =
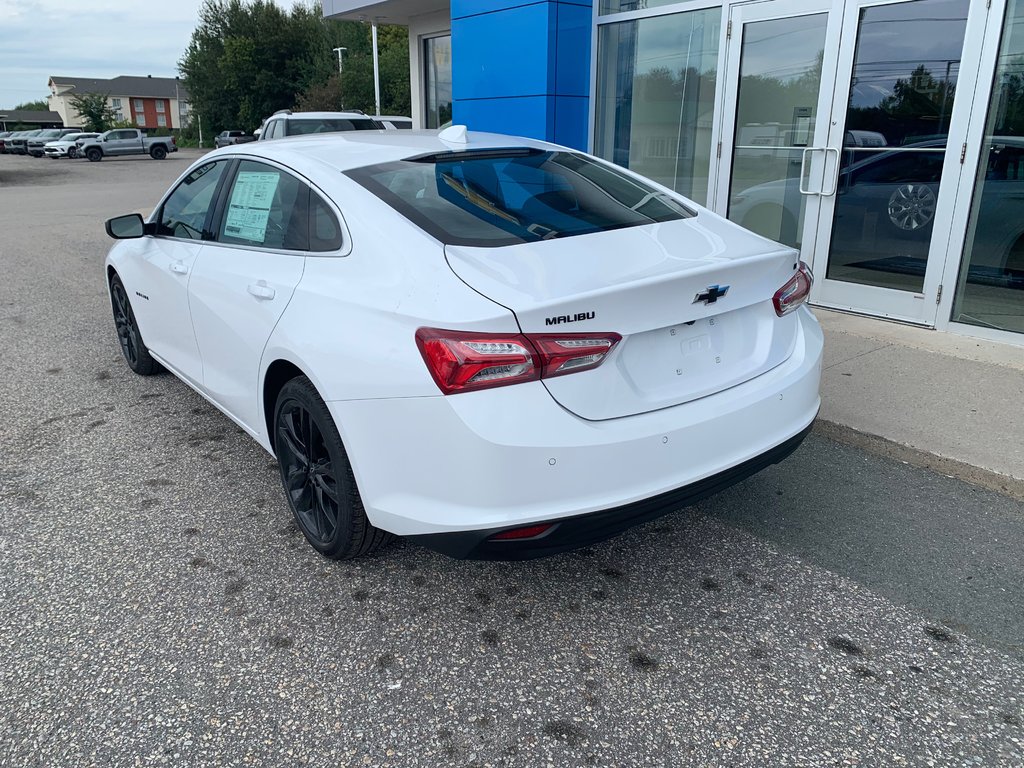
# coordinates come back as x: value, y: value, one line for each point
x: 339, y: 51
x: 376, y: 70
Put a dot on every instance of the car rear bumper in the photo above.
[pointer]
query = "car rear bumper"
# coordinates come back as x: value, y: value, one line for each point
x: 454, y: 470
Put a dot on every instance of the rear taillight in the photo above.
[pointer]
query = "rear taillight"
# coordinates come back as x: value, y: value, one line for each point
x: 462, y: 361
x: 795, y: 292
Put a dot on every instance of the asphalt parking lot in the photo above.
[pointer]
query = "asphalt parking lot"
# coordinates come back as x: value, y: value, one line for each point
x: 160, y: 608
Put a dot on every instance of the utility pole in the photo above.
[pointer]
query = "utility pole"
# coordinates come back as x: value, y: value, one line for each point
x: 339, y: 51
x: 376, y: 69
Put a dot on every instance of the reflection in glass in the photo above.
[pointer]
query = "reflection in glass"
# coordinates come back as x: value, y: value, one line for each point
x: 990, y: 291
x: 901, y: 101
x: 617, y: 6
x: 780, y: 76
x: 656, y: 97
x: 437, y: 78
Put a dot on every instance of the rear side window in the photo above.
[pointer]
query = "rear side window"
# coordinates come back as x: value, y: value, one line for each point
x: 324, y: 229
x: 184, y: 212
x: 266, y: 208
x: 503, y: 197
x: 334, y: 125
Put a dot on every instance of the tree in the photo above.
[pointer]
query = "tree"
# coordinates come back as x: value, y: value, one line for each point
x: 95, y: 109
x: 42, y: 105
x: 250, y: 58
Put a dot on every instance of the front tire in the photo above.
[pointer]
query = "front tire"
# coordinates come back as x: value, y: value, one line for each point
x: 94, y: 155
x: 72, y: 152
x: 317, y: 476
x: 128, y: 335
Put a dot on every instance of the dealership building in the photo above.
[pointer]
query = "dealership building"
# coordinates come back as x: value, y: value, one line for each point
x: 883, y: 138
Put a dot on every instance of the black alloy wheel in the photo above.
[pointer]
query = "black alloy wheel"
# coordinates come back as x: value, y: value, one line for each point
x: 72, y: 152
x: 94, y: 154
x: 128, y: 335
x: 317, y: 476
x: 158, y: 152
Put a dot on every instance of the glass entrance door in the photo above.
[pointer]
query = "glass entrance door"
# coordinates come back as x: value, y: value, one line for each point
x: 895, y: 138
x: 775, y: 117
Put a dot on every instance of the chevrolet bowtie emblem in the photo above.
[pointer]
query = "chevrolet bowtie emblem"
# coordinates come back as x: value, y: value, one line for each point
x: 712, y: 294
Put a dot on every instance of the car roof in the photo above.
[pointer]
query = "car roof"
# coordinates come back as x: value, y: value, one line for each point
x: 314, y: 154
x: 319, y: 115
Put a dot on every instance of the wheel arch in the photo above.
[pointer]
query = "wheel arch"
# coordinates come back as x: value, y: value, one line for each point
x: 278, y: 373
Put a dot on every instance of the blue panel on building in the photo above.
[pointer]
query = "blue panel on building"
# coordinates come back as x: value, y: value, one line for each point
x: 506, y: 53
x: 572, y: 49
x: 523, y: 67
x: 523, y: 116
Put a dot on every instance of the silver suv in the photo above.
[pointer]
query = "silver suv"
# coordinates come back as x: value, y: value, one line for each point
x: 288, y: 123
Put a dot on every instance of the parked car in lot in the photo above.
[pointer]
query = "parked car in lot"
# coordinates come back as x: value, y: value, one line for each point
x: 19, y: 141
x: 227, y: 138
x: 125, y: 141
x: 4, y: 135
x: 36, y: 144
x: 65, y: 146
x: 288, y: 123
x: 496, y: 346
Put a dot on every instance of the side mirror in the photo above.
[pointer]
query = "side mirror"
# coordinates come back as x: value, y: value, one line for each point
x: 126, y: 227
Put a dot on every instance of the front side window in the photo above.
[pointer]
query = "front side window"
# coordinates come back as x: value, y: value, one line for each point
x: 508, y: 196
x: 267, y: 208
x: 184, y: 213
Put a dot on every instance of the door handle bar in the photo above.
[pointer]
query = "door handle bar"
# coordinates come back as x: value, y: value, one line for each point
x: 261, y: 290
x: 835, y: 177
x: 178, y: 268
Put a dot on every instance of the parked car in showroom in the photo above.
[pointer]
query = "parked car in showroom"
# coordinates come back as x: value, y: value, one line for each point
x: 65, y: 146
x: 125, y: 141
x: 36, y: 144
x: 498, y: 347
x: 288, y: 123
x: 227, y: 138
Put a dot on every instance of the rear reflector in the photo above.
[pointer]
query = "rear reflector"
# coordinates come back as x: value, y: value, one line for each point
x: 462, y: 361
x: 530, y: 532
x: 794, y: 292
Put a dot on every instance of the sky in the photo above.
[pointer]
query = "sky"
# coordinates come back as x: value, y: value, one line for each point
x: 88, y: 38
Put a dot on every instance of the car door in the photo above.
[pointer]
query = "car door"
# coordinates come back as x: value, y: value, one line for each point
x: 125, y: 142
x: 159, y: 290
x: 243, y: 281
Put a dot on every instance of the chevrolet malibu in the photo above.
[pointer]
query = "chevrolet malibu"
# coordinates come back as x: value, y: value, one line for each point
x: 497, y: 347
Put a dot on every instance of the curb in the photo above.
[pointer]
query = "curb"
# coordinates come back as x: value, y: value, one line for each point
x: 889, y: 449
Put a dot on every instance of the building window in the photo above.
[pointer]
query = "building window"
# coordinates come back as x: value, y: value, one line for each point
x: 437, y: 79
x: 139, y: 106
x: 140, y: 118
x: 160, y: 105
x: 656, y: 96
x: 115, y: 103
x: 990, y: 290
x: 161, y: 120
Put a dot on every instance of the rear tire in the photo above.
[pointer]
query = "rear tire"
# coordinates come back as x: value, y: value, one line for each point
x: 72, y: 152
x: 317, y: 476
x: 128, y: 335
x: 94, y: 155
x: 158, y: 152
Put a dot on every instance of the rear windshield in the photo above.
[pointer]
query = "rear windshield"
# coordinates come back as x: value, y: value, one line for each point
x: 302, y: 127
x: 504, y: 197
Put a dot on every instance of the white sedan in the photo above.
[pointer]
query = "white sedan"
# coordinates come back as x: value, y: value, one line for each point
x: 497, y: 347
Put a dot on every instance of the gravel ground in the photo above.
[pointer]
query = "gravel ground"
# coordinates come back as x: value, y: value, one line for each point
x: 160, y: 607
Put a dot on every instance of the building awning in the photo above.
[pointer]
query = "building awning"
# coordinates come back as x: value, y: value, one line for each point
x: 383, y: 11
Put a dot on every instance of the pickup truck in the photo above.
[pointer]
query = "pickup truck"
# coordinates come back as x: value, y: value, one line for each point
x: 227, y: 138
x: 125, y: 141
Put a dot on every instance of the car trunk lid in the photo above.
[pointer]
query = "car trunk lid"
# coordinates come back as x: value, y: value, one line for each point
x: 691, y: 298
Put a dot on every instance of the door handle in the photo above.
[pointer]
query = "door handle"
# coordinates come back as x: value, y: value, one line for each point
x: 261, y: 290
x: 178, y: 268
x: 824, y: 170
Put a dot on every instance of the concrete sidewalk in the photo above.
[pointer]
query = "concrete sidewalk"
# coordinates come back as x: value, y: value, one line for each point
x: 954, y: 397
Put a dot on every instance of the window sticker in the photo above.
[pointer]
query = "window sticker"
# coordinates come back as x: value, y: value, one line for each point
x: 249, y: 209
